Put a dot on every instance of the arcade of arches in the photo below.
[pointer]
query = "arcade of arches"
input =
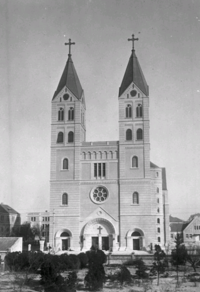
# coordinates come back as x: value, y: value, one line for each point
x: 99, y: 233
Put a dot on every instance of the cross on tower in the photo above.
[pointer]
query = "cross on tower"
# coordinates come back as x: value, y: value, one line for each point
x: 99, y: 228
x: 69, y: 44
x: 133, y: 39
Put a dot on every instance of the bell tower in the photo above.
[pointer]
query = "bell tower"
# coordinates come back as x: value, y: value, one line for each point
x: 134, y: 120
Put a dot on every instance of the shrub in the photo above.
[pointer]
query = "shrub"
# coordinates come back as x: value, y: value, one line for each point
x: 95, y: 277
x: 75, y: 262
x: 141, y: 268
x: 83, y: 260
x: 11, y: 260
x: 123, y: 275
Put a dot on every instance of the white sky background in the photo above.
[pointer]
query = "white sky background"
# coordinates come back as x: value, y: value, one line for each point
x: 33, y: 56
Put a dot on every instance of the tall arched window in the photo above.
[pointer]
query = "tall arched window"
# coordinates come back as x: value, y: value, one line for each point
x: 71, y: 114
x: 157, y: 190
x: 128, y: 111
x: 65, y: 163
x: 61, y: 114
x: 139, y: 111
x: 135, y: 198
x: 158, y: 220
x: 65, y: 199
x: 134, y: 161
x: 128, y: 134
x: 70, y: 137
x: 60, y: 137
x: 139, y: 134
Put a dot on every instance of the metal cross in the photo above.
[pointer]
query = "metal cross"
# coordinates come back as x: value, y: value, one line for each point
x: 69, y: 44
x: 133, y: 39
x: 99, y: 228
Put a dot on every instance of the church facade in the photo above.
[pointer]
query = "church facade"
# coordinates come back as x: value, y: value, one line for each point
x: 105, y: 194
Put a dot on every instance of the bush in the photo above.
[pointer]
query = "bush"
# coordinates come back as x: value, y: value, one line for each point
x: 123, y: 275
x: 75, y: 262
x: 141, y: 268
x: 83, y: 260
x: 95, y: 277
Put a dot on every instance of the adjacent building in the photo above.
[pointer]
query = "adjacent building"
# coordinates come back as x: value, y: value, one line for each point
x: 9, y: 220
x: 40, y: 220
x: 105, y: 193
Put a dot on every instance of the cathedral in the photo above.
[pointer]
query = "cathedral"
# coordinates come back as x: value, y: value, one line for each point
x: 105, y: 194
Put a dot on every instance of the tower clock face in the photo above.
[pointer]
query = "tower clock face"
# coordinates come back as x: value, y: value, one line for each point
x: 66, y: 96
x: 133, y: 93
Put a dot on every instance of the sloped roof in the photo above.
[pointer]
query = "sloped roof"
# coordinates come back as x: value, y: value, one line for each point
x: 152, y: 165
x: 178, y: 227
x: 70, y: 79
x: 175, y: 220
x: 134, y: 74
x: 7, y: 242
x: 7, y: 209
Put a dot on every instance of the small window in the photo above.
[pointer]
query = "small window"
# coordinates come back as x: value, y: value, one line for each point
x: 128, y: 111
x: 135, y: 198
x: 158, y: 239
x: 158, y: 220
x: 157, y: 174
x: 158, y: 229
x: 65, y: 163
x: 134, y: 161
x: 60, y: 137
x: 71, y: 114
x: 70, y: 137
x: 128, y: 134
x: 65, y: 199
x: 61, y: 114
x: 158, y: 210
x: 139, y: 111
x: 172, y: 236
x: 157, y: 190
x: 158, y: 200
x: 139, y: 134
x: 187, y: 236
x: 190, y: 235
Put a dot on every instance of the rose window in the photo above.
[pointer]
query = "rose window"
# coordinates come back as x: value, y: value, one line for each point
x: 99, y: 195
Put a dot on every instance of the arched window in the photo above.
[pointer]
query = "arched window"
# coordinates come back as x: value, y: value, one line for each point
x: 128, y: 134
x: 128, y: 111
x: 70, y: 137
x: 157, y: 190
x: 65, y: 199
x: 135, y: 198
x: 60, y: 137
x: 158, y: 220
x: 61, y: 114
x: 139, y: 111
x: 65, y: 234
x: 158, y: 239
x: 158, y: 229
x: 139, y: 134
x: 71, y: 114
x: 158, y: 210
x: 65, y: 163
x: 136, y: 233
x: 134, y: 161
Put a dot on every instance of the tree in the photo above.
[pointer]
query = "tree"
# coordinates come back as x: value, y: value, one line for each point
x: 193, y: 258
x: 179, y: 254
x: 159, y: 263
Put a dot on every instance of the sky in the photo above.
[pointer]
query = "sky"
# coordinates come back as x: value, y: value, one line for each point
x: 33, y: 56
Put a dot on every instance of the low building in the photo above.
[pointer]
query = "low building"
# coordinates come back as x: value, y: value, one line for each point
x: 41, y: 220
x: 9, y: 220
x: 191, y: 233
x: 10, y: 244
x: 177, y: 226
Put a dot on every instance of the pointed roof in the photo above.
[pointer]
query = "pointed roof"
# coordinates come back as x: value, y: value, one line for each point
x: 7, y: 209
x: 70, y: 79
x: 134, y: 74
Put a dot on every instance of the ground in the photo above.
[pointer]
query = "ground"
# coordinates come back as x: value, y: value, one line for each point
x: 14, y: 282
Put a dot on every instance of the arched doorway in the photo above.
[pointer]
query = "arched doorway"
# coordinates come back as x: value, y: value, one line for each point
x: 63, y: 239
x: 135, y: 239
x: 99, y: 233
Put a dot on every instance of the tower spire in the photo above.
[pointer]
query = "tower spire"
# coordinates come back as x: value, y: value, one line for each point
x: 69, y: 44
x: 133, y: 39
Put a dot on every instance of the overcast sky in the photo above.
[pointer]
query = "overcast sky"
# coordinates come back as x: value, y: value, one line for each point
x: 33, y: 56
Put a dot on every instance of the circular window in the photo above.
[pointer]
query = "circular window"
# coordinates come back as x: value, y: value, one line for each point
x: 99, y: 195
x: 66, y: 96
x: 133, y: 92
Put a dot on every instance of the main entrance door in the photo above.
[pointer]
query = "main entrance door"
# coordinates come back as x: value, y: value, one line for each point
x: 105, y: 243
x: 95, y: 241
